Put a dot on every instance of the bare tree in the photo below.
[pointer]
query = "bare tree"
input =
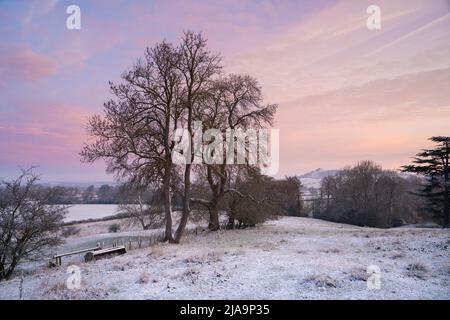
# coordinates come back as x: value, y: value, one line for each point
x: 171, y: 88
x: 28, y: 226
x: 233, y: 102
x: 135, y: 135
x: 198, y: 67
x: 145, y: 209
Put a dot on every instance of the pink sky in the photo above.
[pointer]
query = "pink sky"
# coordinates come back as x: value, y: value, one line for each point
x: 345, y: 93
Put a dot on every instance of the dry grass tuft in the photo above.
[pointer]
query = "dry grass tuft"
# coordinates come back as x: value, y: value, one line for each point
x: 156, y: 252
x: 396, y: 256
x: 416, y: 270
x: 358, y: 274
x: 332, y: 250
x: 144, y: 277
x: 321, y: 281
x: 192, y: 275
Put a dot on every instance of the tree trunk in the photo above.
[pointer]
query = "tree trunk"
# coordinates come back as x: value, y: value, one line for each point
x: 2, y: 271
x: 214, y: 223
x: 187, y: 169
x: 446, y: 188
x: 218, y: 191
x: 168, y: 205
x: 7, y: 272
x: 447, y: 205
x: 186, y: 204
x: 447, y: 202
x: 231, y: 219
x: 168, y: 236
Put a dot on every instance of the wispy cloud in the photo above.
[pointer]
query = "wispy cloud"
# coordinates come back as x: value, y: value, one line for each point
x: 23, y: 63
x: 39, y: 7
x: 345, y: 92
x: 333, y: 48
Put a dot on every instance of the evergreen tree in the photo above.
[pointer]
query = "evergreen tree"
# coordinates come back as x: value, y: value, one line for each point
x: 434, y: 165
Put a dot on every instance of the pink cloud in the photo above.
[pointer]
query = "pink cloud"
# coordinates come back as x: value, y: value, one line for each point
x: 25, y: 64
x: 29, y: 129
x: 44, y: 132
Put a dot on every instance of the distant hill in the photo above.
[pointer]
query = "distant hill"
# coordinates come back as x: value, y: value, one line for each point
x: 313, y: 178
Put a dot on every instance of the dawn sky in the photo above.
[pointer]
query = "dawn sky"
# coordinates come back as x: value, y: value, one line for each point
x: 345, y: 93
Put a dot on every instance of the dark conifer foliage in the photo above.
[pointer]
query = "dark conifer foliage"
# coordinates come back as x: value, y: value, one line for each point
x: 434, y: 165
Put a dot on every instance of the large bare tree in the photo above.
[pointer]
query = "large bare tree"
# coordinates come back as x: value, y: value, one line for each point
x: 135, y: 135
x: 198, y: 67
x: 156, y: 96
x: 172, y: 87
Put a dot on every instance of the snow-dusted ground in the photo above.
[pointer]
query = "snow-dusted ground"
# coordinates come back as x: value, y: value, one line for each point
x: 291, y: 258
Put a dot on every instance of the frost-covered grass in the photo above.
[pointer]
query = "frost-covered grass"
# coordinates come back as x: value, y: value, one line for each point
x: 291, y: 258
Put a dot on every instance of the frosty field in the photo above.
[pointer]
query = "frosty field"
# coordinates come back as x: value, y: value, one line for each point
x: 90, y: 211
x: 290, y: 258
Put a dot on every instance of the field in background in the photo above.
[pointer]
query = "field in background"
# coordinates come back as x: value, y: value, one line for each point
x: 79, y: 212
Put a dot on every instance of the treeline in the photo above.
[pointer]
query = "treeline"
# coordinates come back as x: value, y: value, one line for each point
x: 254, y: 199
x: 104, y: 194
x: 367, y: 195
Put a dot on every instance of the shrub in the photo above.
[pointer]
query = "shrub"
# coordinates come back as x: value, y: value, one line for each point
x: 417, y: 270
x: 70, y: 231
x: 253, y: 202
x: 359, y: 274
x: 115, y: 227
x: 322, y: 281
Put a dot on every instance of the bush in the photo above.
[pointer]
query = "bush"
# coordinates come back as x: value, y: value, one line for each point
x: 321, y: 281
x: 417, y: 270
x: 254, y: 202
x: 359, y: 274
x: 70, y: 231
x: 115, y: 227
